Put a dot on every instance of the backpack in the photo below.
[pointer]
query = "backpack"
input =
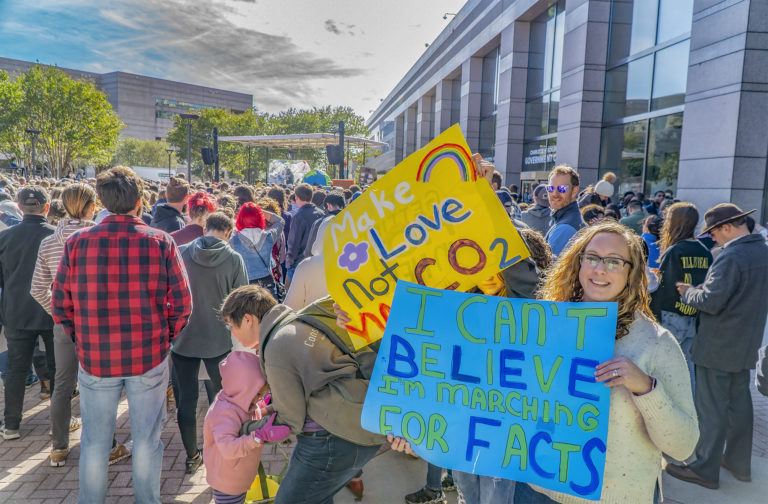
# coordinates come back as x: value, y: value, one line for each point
x: 345, y: 394
x: 320, y: 315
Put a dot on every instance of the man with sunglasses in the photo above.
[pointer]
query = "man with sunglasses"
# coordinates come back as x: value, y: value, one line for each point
x: 563, y: 191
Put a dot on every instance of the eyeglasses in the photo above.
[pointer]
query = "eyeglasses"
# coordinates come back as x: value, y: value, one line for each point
x: 562, y: 189
x: 612, y: 264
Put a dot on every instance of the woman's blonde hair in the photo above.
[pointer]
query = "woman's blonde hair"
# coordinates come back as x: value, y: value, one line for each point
x: 77, y: 200
x: 270, y: 205
x: 561, y: 282
x: 679, y: 224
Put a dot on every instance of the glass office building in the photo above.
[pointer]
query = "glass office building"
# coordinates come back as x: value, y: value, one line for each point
x: 645, y: 82
x: 667, y: 94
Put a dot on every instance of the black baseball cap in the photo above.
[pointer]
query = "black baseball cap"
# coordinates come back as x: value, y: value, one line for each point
x: 33, y: 196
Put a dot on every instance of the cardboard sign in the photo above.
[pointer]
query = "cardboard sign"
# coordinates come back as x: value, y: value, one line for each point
x: 496, y: 386
x: 430, y: 220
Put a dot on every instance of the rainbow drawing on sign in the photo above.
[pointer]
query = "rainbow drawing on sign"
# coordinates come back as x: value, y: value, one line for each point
x: 455, y: 153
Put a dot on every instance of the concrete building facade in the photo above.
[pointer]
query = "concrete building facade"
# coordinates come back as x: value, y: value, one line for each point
x: 668, y: 94
x: 148, y: 105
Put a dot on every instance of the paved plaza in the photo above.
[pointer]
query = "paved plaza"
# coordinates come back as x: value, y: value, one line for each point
x: 26, y: 476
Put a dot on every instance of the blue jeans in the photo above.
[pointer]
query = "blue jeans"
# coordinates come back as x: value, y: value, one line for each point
x: 290, y: 271
x: 98, y: 406
x: 435, y: 477
x: 478, y: 489
x: 320, y: 466
x: 684, y: 330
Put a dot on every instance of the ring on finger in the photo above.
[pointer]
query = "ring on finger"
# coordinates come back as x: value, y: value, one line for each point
x: 615, y: 373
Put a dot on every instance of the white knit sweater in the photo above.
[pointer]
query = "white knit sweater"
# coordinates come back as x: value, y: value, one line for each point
x: 642, y: 427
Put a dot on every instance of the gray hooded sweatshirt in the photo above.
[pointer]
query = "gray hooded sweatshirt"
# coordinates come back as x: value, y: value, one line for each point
x: 214, y: 270
x: 538, y: 218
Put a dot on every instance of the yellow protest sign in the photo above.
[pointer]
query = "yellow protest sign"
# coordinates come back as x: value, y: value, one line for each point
x: 431, y: 221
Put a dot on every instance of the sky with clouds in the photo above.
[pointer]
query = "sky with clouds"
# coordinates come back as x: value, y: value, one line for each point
x: 287, y: 53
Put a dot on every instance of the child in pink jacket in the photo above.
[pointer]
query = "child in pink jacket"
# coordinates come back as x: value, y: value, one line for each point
x: 232, y: 460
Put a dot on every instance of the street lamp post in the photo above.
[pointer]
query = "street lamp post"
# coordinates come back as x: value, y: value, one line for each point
x: 216, y: 153
x: 249, y: 164
x: 169, y: 151
x: 189, y: 118
x: 34, y: 133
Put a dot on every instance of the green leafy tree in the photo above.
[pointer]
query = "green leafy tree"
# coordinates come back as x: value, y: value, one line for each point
x: 12, y: 117
x: 135, y: 152
x: 75, y: 120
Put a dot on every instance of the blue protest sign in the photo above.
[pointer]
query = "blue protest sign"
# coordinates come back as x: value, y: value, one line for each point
x: 496, y: 386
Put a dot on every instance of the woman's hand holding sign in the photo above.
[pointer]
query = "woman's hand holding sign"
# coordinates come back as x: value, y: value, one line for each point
x: 399, y: 444
x: 342, y: 317
x: 622, y: 371
x: 483, y: 168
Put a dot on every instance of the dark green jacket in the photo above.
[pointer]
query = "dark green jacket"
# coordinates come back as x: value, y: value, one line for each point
x: 634, y: 222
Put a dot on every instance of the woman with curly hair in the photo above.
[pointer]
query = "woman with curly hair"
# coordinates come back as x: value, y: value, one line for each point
x: 651, y: 408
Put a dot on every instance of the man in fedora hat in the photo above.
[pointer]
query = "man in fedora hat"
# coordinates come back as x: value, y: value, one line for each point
x: 732, y: 314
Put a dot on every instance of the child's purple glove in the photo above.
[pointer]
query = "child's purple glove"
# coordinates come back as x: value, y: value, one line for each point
x: 270, y: 433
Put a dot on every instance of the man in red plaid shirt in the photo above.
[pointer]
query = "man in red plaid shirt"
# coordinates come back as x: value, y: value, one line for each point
x: 122, y: 294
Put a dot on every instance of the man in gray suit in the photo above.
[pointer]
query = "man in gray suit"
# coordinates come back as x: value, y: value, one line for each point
x: 732, y: 312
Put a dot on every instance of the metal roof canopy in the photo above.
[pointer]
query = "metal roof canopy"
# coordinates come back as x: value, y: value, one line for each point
x: 301, y: 141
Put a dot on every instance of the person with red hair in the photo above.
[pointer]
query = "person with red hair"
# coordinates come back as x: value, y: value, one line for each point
x: 257, y: 232
x: 250, y: 215
x: 199, y: 206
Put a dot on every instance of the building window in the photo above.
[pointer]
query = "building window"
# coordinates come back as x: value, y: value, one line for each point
x: 432, y: 129
x: 645, y: 85
x: 644, y: 154
x: 545, y: 63
x: 175, y: 104
x: 165, y: 114
x: 386, y: 134
x: 399, y: 138
x: 489, y: 104
x: 455, y: 101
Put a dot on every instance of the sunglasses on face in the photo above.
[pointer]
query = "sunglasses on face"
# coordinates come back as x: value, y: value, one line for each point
x: 562, y: 189
x: 612, y: 264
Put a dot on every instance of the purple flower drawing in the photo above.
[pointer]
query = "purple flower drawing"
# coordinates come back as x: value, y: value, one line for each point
x: 353, y: 256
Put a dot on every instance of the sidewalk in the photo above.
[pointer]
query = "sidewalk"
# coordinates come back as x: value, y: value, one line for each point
x: 26, y: 476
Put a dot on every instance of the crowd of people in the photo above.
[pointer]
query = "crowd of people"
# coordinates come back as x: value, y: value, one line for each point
x: 115, y: 286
